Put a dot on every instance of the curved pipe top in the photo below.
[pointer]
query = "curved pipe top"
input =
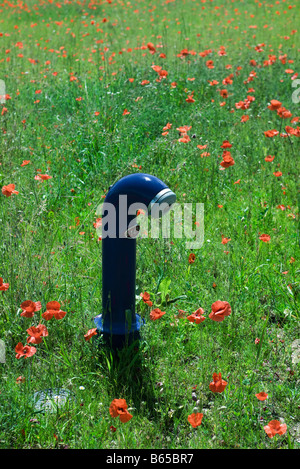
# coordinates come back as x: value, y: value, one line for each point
x: 141, y: 188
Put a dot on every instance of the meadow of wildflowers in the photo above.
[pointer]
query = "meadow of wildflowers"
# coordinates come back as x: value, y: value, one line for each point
x: 205, y: 95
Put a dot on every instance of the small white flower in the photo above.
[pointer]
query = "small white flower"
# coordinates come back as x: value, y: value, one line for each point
x: 82, y: 388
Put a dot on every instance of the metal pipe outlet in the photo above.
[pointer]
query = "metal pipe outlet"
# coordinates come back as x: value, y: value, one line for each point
x: 118, y: 323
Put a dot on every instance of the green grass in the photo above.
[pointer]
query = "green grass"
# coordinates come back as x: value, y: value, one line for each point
x: 49, y: 248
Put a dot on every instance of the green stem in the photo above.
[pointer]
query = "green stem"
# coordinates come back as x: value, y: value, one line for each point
x: 259, y: 349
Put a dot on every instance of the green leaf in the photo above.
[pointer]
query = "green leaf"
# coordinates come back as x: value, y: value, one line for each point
x: 164, y: 289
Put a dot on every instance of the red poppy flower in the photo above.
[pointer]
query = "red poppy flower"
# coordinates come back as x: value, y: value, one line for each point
x: 220, y: 309
x: 184, y: 129
x: 29, y: 308
x: 274, y: 105
x: 184, y: 139
x: 9, y: 190
x: 197, y: 316
x: 227, y: 160
x: 42, y: 177
x: 20, y: 379
x: 53, y: 309
x: 243, y: 104
x: 195, y: 419
x: 224, y: 93
x: 275, y: 427
x: 218, y: 384
x: 25, y: 162
x: 90, y: 333
x: 261, y: 396
x: 156, y: 314
x: 244, y: 118
x: 3, y: 286
x: 97, y: 223
x: 190, y: 99
x: 292, y: 131
x: 225, y: 240
x: 36, y: 334
x: 265, y: 238
x: 163, y: 73
x: 226, y: 144
x: 269, y: 158
x: 183, y: 53
x: 118, y: 408
x: 271, y: 133
x: 156, y: 68
x: 284, y: 113
x: 146, y: 298
x: 151, y: 48
x: 24, y: 351
x: 192, y: 258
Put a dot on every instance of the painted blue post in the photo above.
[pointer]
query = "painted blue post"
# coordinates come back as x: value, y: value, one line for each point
x: 118, y: 322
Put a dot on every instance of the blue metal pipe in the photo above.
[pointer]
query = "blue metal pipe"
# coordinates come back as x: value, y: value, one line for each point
x: 118, y: 323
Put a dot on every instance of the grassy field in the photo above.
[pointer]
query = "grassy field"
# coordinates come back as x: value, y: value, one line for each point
x: 91, y: 92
